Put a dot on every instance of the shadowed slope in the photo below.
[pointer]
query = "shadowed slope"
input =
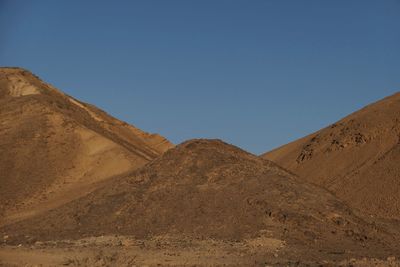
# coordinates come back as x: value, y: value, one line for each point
x: 357, y: 158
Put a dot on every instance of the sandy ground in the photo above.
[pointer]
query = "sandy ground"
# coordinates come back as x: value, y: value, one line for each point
x: 163, y: 251
x: 125, y: 251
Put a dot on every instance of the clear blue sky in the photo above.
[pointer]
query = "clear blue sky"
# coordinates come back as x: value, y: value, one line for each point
x: 257, y: 74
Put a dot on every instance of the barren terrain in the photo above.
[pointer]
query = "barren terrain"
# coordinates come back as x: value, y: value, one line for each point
x: 208, y: 191
x: 55, y: 149
x: 357, y: 158
x: 81, y: 188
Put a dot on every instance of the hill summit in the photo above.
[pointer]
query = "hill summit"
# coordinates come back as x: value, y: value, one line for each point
x: 55, y: 148
x: 207, y: 189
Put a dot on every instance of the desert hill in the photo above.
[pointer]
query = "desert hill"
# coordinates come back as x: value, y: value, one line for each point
x: 55, y: 148
x: 357, y: 158
x: 209, y: 190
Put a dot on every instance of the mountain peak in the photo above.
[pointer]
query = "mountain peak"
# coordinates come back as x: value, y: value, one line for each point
x: 56, y: 148
x: 17, y: 82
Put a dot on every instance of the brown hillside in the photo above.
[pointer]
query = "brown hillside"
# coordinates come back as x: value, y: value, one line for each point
x: 206, y: 189
x: 55, y: 148
x: 357, y: 158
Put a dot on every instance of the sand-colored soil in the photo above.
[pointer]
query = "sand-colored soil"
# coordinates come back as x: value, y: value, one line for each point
x: 81, y: 188
x: 357, y: 158
x: 209, y: 190
x: 56, y: 149
x: 127, y: 251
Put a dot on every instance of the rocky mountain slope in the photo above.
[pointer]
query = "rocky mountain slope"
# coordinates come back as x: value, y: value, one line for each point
x: 357, y: 158
x: 55, y: 148
x: 209, y: 190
